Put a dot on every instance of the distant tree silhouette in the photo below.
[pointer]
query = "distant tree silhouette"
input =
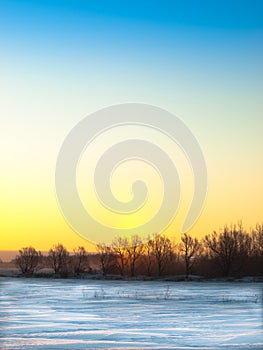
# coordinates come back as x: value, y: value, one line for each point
x: 229, y: 249
x: 190, y: 249
x: 58, y: 258
x: 148, y: 254
x: 28, y: 260
x: 80, y: 260
x: 257, y: 239
x: 257, y: 249
x: 230, y: 253
x: 134, y: 251
x: 106, y: 257
x: 162, y: 251
x: 119, y: 248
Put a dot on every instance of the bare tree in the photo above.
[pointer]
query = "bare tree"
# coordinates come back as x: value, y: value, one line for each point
x: 162, y: 250
x: 148, y: 254
x: 228, y: 248
x: 28, y: 260
x: 119, y: 248
x: 190, y: 248
x: 107, y: 258
x: 80, y: 260
x: 58, y: 258
x: 257, y: 239
x: 134, y: 251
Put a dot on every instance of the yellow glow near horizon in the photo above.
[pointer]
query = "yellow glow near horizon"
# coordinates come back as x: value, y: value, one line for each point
x: 51, y: 78
x: 30, y: 214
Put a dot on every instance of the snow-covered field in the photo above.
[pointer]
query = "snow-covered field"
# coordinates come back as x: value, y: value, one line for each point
x: 81, y: 314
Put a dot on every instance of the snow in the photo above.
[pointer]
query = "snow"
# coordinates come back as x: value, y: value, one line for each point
x: 80, y: 314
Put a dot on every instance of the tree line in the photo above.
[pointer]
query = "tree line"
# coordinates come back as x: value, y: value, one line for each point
x: 232, y: 252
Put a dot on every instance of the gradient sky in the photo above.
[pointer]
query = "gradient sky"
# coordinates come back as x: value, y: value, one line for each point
x: 61, y: 60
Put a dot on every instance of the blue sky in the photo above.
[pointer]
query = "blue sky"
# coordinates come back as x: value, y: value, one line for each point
x: 201, y: 60
x: 223, y: 14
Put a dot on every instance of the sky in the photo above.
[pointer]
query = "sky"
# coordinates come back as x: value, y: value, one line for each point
x: 62, y: 60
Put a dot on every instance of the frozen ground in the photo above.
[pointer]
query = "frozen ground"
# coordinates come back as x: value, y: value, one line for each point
x: 81, y: 314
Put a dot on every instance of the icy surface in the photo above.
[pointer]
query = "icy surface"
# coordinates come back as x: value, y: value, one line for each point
x: 81, y: 314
